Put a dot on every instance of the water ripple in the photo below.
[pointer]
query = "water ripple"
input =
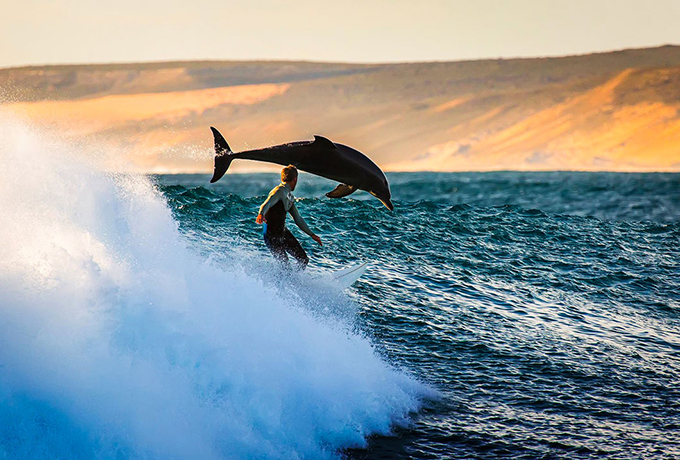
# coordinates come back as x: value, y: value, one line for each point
x: 544, y: 307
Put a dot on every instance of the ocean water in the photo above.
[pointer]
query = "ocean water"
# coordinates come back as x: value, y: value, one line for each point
x: 544, y: 308
x: 504, y: 315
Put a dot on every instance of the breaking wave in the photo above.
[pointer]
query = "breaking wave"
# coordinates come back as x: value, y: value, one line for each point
x: 119, y: 341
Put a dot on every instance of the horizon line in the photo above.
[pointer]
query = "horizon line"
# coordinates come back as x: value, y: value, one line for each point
x: 337, y: 62
x: 471, y: 171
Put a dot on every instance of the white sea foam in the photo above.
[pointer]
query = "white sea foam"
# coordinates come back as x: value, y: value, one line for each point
x: 116, y: 341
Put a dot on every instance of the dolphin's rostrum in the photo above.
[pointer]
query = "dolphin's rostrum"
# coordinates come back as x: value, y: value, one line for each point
x: 353, y: 169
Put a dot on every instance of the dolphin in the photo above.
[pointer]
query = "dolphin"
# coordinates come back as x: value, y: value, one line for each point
x: 322, y: 157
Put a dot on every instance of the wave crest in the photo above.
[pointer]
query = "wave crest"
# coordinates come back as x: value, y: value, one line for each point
x: 116, y: 340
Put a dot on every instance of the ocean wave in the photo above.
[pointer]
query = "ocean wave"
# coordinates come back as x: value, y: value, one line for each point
x: 118, y: 340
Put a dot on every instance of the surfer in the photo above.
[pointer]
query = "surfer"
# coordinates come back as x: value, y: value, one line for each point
x: 272, y: 214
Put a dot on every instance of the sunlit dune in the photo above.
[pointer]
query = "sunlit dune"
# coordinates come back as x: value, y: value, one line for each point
x: 587, y: 132
x: 450, y: 104
x: 102, y: 112
x: 615, y: 112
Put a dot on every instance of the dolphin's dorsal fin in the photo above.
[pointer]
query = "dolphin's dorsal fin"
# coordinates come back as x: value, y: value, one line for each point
x: 324, y: 141
x: 341, y: 190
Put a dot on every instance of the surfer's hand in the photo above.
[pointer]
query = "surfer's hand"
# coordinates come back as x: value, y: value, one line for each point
x: 317, y: 239
x: 260, y: 219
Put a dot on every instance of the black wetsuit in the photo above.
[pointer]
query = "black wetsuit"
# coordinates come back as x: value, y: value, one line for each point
x: 280, y: 240
x: 277, y: 237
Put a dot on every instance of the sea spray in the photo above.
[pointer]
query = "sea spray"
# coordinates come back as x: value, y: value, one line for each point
x: 117, y: 341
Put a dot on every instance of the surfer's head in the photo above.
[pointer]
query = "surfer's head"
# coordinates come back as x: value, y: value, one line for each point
x: 289, y: 175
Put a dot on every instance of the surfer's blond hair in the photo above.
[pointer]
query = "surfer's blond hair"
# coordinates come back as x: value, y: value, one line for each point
x: 289, y: 173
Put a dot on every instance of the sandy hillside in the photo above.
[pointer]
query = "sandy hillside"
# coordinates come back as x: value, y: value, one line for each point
x: 614, y: 111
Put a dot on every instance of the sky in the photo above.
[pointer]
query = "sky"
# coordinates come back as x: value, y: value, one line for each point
x: 35, y: 32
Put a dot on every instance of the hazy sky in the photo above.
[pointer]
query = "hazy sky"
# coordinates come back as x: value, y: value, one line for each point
x: 86, y: 31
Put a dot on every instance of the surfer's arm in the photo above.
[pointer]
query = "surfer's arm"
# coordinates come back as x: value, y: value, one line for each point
x: 299, y: 221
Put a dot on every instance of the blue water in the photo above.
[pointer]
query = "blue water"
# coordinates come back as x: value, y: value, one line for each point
x: 504, y: 315
x: 544, y: 307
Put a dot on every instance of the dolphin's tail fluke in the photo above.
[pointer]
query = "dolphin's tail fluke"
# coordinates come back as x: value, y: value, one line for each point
x: 223, y: 156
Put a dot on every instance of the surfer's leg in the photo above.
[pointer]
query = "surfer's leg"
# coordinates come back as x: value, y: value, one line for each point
x: 276, y: 246
x: 293, y: 247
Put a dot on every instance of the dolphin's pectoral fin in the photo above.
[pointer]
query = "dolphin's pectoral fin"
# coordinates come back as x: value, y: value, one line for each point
x: 341, y: 190
x: 320, y: 140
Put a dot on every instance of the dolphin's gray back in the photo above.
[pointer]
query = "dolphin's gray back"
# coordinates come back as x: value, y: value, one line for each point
x: 361, y: 160
x: 321, y: 157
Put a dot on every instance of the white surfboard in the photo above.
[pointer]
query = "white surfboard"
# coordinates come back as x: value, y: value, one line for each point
x: 348, y: 276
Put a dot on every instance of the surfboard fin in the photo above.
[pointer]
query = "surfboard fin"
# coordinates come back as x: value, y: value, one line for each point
x: 341, y: 190
x: 223, y: 156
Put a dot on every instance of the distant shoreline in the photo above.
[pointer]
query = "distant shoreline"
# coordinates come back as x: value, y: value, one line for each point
x: 183, y: 62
